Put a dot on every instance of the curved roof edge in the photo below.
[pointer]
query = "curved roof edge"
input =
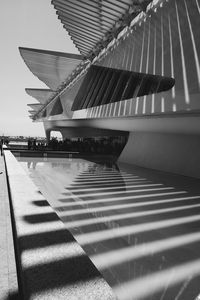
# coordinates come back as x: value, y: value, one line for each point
x: 51, y: 52
x: 41, y: 95
x: 51, y: 67
x: 35, y: 106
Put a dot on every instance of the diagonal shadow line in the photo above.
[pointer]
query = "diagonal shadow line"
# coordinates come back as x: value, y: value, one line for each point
x: 127, y: 230
x: 56, y: 267
x: 105, y: 182
x: 187, y: 288
x: 98, y: 194
x: 163, y: 246
x: 61, y: 273
x: 118, y: 188
x: 45, y: 239
x: 50, y: 238
x: 105, y: 176
x: 157, y: 281
x: 41, y: 218
x: 100, y: 168
x: 151, y: 262
x: 98, y: 219
x: 141, y: 219
x: 108, y: 184
x: 103, y: 179
x: 138, y: 239
x: 168, y: 219
x: 72, y: 202
x: 187, y: 224
x: 114, y: 206
x: 40, y: 203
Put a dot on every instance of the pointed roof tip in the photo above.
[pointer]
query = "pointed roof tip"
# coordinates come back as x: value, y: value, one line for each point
x: 52, y: 52
x: 20, y: 50
x: 35, y: 107
x: 35, y: 104
x: 38, y: 90
x: 41, y: 95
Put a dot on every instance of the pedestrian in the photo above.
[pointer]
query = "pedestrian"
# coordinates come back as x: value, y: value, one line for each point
x: 1, y: 146
x: 29, y: 144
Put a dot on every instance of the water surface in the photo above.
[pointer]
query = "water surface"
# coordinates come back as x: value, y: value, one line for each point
x: 139, y: 227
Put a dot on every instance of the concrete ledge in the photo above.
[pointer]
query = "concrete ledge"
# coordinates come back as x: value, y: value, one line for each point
x: 51, y: 264
x: 8, y: 276
x: 187, y: 122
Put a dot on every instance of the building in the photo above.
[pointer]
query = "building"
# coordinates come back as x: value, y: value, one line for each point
x: 138, y: 71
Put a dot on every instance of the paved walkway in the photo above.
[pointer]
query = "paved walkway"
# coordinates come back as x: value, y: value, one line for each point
x: 8, y: 278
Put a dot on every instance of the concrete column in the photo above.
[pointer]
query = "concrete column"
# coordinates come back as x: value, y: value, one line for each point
x: 48, y: 135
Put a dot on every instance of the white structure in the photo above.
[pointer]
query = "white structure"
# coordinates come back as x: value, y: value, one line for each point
x: 146, y: 55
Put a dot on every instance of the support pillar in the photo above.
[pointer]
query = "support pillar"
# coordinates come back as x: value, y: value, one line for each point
x: 48, y: 135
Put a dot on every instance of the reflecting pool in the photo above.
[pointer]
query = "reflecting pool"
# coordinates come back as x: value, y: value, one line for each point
x: 139, y: 227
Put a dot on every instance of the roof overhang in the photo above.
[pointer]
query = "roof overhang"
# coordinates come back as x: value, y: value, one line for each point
x: 35, y: 106
x: 41, y: 62
x: 41, y: 95
x: 93, y: 24
x: 32, y: 112
x: 49, y: 66
x: 104, y: 85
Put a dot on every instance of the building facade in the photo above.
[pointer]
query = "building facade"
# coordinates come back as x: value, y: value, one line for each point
x: 142, y: 78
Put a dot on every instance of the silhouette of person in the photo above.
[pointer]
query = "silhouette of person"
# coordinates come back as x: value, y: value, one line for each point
x: 29, y: 144
x: 1, y: 146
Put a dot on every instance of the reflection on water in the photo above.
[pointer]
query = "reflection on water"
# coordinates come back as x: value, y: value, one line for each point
x: 31, y: 164
x: 139, y: 227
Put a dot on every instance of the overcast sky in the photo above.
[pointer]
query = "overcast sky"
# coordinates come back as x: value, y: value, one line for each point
x: 25, y: 23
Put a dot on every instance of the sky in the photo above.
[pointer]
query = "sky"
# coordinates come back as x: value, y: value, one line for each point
x: 32, y: 24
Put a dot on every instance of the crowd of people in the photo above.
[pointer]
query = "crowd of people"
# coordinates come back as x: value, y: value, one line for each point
x: 106, y: 145
x: 33, y: 144
x: 103, y: 145
x: 111, y: 145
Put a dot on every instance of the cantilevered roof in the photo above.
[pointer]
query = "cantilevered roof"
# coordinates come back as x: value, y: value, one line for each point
x: 35, y: 106
x: 49, y: 66
x: 104, y: 85
x: 92, y: 23
x: 42, y: 95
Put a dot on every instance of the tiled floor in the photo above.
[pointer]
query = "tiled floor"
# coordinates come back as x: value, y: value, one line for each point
x: 8, y: 278
x: 141, y: 228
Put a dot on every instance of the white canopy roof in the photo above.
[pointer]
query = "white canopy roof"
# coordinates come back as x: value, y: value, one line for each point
x: 49, y: 66
x: 93, y: 22
x: 32, y: 112
x: 35, y: 106
x: 42, y: 95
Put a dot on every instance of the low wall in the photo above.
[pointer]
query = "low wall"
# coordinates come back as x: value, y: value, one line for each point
x: 51, y: 264
x: 52, y: 154
x: 171, y: 152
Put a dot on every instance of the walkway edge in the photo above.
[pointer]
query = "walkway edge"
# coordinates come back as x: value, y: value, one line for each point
x: 51, y: 264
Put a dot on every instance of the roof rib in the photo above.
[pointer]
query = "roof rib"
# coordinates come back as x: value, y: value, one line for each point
x: 96, y: 20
